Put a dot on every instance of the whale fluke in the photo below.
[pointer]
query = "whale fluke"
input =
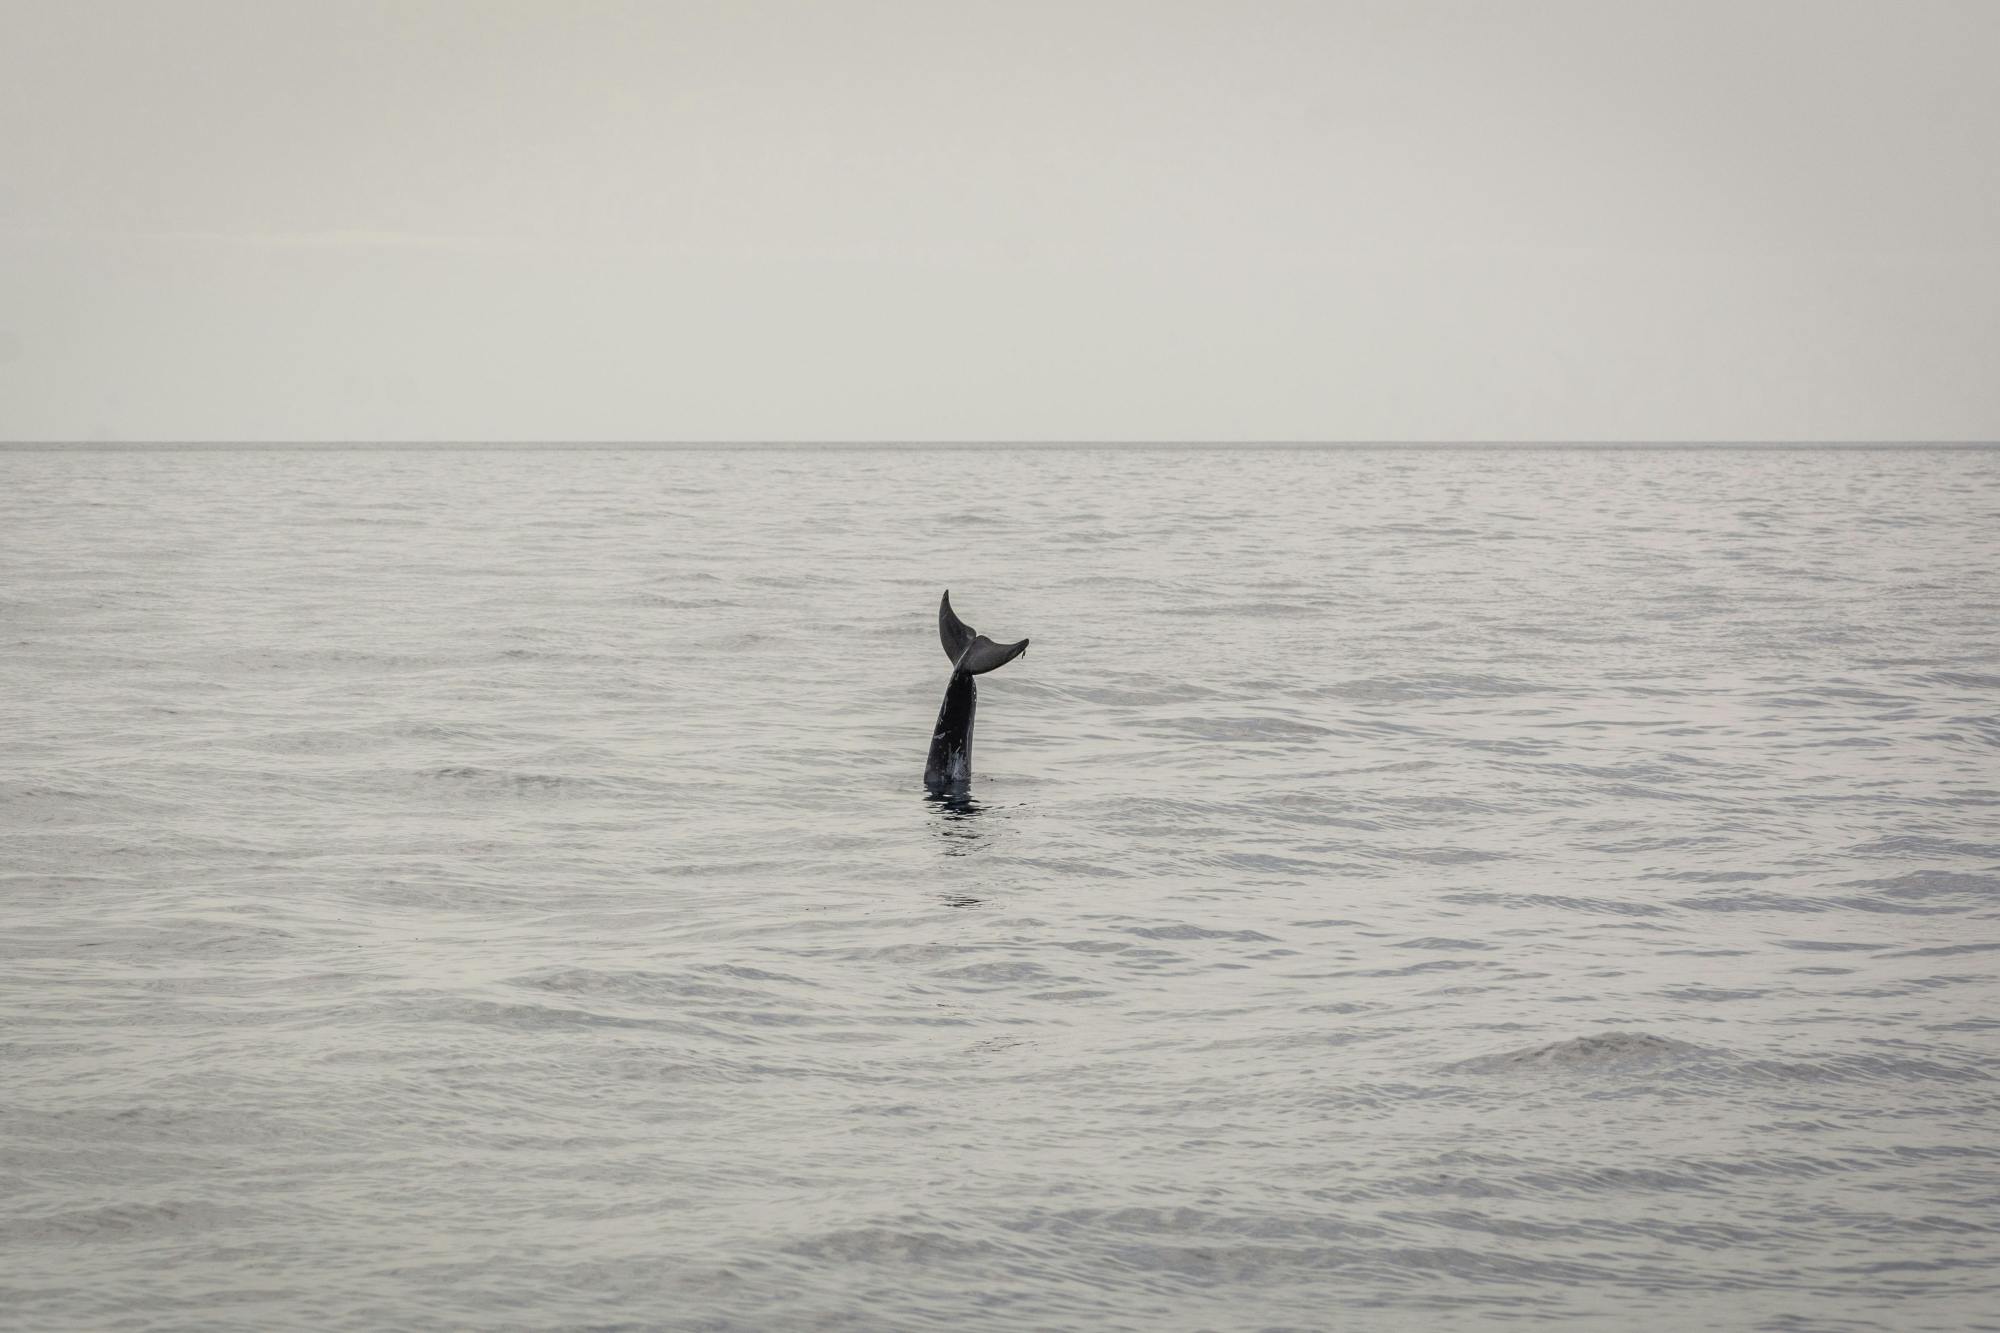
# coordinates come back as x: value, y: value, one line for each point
x: 970, y: 651
x: 949, y: 766
x: 957, y: 635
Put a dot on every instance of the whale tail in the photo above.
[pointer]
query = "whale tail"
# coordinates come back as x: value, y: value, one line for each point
x: 949, y: 765
x: 970, y: 651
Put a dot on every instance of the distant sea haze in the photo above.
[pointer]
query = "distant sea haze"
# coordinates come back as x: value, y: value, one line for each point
x: 1418, y: 888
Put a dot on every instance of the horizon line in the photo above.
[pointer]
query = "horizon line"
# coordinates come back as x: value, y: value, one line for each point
x: 134, y: 446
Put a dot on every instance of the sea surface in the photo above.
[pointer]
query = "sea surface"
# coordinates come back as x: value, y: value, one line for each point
x: 1431, y: 889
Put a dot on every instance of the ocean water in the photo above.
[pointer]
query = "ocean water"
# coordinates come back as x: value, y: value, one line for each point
x: 1430, y: 889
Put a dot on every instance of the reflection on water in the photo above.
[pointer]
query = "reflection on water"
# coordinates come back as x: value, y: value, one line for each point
x: 954, y: 804
x: 955, y: 818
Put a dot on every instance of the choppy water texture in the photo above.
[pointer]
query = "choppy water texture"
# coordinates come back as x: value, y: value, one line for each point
x: 1421, y: 890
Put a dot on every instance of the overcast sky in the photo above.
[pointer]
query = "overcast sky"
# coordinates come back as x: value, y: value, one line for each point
x: 947, y: 219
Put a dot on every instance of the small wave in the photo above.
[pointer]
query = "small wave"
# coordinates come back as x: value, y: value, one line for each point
x: 1444, y: 945
x: 1189, y: 932
x: 1439, y: 685
x: 119, y: 1221
x: 1967, y: 680
x: 1249, y: 610
x: 664, y: 602
x: 1893, y: 1070
x: 998, y: 976
x: 1598, y: 1050
x: 644, y: 988
x: 1255, y: 730
x: 476, y: 778
x: 1560, y: 902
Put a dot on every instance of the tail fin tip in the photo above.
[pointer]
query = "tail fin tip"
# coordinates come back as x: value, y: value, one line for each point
x: 969, y: 650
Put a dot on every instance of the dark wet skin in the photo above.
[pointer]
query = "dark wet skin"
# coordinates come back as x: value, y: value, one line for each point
x: 948, y: 769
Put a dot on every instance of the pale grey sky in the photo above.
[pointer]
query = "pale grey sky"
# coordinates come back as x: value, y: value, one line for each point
x: 750, y: 219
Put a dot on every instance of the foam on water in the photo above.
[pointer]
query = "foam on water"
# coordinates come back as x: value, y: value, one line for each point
x: 1414, y: 889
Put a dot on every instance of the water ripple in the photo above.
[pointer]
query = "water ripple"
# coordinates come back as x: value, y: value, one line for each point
x: 1401, y: 889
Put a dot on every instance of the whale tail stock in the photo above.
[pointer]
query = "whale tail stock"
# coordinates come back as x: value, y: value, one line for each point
x: 970, y: 651
x: 949, y: 765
